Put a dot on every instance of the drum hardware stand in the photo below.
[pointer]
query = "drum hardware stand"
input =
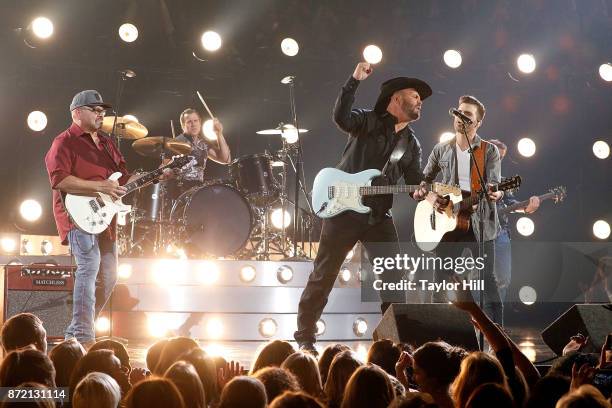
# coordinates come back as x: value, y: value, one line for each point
x: 124, y: 75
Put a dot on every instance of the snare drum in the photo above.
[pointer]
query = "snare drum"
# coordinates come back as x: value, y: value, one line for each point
x: 213, y: 219
x: 253, y: 176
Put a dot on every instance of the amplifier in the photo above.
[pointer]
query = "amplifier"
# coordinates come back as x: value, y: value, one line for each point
x: 43, y: 290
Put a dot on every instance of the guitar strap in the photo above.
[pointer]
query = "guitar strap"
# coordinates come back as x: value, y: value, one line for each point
x: 479, y: 155
x: 401, y: 145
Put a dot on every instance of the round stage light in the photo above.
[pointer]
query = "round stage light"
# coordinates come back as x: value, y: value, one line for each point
x: 214, y: 328
x: 102, y: 324
x: 528, y: 295
x: 605, y: 71
x: 345, y: 275
x: 211, y: 41
x: 130, y: 117
x: 159, y: 324
x: 247, y: 273
x: 37, y: 121
x: 128, y: 32
x: 46, y: 247
x: 601, y: 149
x: 124, y: 271
x: 446, y: 136
x: 525, y: 226
x: 268, y: 327
x: 321, y: 326
x: 290, y: 134
x: 452, y: 58
x: 42, y: 27
x: 372, y: 54
x: 277, y: 218
x: 290, y: 47
x: 350, y: 254
x: 601, y: 229
x: 360, y: 327
x: 526, y: 63
x: 284, y: 274
x: 208, y: 272
x: 9, y: 244
x: 209, y: 130
x: 27, y: 247
x: 528, y: 349
x: 526, y: 147
x: 30, y: 210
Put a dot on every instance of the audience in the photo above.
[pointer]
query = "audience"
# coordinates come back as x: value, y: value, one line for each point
x: 341, y: 369
x: 64, y: 356
x: 186, y: 379
x: 96, y: 390
x: 476, y: 369
x: 272, y: 355
x: 414, y: 400
x: 103, y: 361
x: 585, y: 396
x: 276, y: 381
x: 27, y: 365
x: 368, y: 387
x: 489, y: 395
x: 243, y: 391
x: 304, y: 367
x: 39, y: 403
x: 295, y: 400
x: 172, y: 349
x: 154, y: 392
x: 22, y: 330
x: 326, y: 358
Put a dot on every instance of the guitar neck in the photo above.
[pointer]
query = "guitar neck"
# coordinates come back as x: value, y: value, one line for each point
x: 396, y: 189
x: 523, y: 204
x: 146, y: 179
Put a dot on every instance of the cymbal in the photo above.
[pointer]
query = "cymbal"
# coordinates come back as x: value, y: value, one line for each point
x: 126, y: 128
x: 279, y: 130
x: 153, y: 146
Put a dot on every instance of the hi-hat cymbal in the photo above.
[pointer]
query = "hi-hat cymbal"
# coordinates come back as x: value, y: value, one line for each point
x: 153, y: 146
x: 126, y: 128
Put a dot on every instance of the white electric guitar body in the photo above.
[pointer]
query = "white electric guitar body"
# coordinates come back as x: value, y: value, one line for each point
x: 93, y: 214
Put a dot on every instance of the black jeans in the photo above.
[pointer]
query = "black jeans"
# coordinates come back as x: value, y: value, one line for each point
x: 338, y: 236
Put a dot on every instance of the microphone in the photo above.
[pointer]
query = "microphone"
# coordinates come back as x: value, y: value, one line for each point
x: 287, y: 80
x: 456, y: 112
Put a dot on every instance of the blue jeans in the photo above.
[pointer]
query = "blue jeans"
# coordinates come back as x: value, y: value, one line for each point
x: 94, y: 280
x: 503, y: 262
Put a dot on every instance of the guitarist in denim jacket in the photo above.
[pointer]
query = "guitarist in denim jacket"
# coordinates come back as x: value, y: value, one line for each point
x: 372, y: 137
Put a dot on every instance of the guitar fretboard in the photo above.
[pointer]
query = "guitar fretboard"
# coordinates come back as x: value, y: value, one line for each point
x: 396, y: 189
x: 523, y: 204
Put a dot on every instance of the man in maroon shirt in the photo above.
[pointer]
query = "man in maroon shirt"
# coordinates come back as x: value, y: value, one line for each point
x: 80, y: 161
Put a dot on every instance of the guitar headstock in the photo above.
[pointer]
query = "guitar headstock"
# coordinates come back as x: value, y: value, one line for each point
x: 559, y: 192
x: 445, y: 189
x: 181, y: 162
x: 509, y: 183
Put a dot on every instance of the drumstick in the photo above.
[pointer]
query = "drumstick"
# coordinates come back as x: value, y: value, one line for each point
x: 211, y: 116
x: 172, y: 127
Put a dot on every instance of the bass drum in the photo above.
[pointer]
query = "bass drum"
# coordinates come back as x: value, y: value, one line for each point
x: 213, y: 219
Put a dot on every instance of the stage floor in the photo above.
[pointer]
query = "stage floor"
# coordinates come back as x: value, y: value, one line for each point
x: 528, y: 339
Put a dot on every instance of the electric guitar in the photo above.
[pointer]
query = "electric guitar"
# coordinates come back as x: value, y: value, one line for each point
x: 93, y: 214
x: 335, y: 191
x: 556, y: 194
x: 430, y: 226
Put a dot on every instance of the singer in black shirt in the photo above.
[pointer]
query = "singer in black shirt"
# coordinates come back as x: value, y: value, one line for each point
x: 373, y: 135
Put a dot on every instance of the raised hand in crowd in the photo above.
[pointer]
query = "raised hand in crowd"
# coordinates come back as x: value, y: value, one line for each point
x: 576, y: 343
x: 225, y: 374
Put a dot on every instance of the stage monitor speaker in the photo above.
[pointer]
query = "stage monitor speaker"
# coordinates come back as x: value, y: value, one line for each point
x: 592, y: 320
x: 419, y: 323
x: 43, y: 290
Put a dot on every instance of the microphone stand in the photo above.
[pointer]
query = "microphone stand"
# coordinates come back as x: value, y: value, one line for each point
x: 482, y: 194
x: 120, y: 85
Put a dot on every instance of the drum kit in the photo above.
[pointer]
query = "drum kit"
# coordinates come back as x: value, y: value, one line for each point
x: 244, y: 216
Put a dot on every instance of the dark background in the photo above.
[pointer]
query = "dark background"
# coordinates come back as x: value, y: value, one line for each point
x: 564, y: 105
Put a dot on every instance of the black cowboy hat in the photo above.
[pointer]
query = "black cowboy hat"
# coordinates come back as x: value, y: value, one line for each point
x: 389, y: 87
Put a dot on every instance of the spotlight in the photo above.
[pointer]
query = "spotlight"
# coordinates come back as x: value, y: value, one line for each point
x: 46, y: 247
x: 247, y: 273
x: 30, y: 210
x: 209, y: 130
x: 360, y: 327
x: 290, y: 134
x: 345, y: 275
x: 211, y: 41
x: 361, y: 352
x: 159, y: 324
x: 42, y: 27
x: 284, y: 274
x: 215, y: 350
x: 372, y: 54
x: 528, y: 349
x: 169, y: 271
x: 131, y: 117
x: 528, y: 295
x: 37, y: 121
x: 27, y: 247
x: 277, y: 218
x: 525, y: 226
x: 128, y: 32
x: 208, y: 272
x: 320, y: 327
x: 446, y: 136
x: 102, y: 324
x: 268, y: 327
x: 350, y: 254
x: 214, y: 328
x: 601, y: 229
x: 526, y: 147
x: 605, y: 71
x: 124, y: 271
x: 601, y: 149
x: 8, y: 244
x: 290, y: 47
x: 526, y: 63
x: 452, y: 58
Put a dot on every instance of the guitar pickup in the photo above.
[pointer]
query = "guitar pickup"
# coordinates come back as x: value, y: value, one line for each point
x: 432, y: 220
x: 94, y: 205
x: 330, y: 192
